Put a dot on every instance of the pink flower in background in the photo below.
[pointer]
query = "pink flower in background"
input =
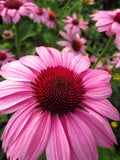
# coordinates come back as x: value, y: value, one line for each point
x: 74, y: 24
x: 116, y: 60
x: 105, y: 65
x: 107, y: 21
x: 39, y: 15
x: 14, y: 9
x: 51, y: 19
x: 57, y: 100
x: 6, y: 57
x: 117, y: 41
x: 73, y: 44
x: 7, y: 34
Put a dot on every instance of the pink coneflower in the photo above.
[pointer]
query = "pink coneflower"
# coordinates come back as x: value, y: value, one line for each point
x: 73, y: 44
x: 7, y: 34
x: 61, y: 105
x: 40, y: 15
x: 116, y: 60
x: 74, y: 24
x: 5, y: 57
x: 102, y: 64
x: 107, y: 21
x: 117, y: 41
x: 14, y: 9
x: 51, y: 19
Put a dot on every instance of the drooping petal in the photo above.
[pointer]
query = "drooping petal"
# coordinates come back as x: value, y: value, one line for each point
x: 100, y: 132
x: 36, y: 137
x: 15, y: 71
x: 80, y: 137
x: 57, y: 147
x: 17, y: 106
x: 9, y: 87
x: 15, y: 125
x: 33, y: 62
x: 91, y: 76
x: 103, y: 107
x: 104, y: 121
x: 14, y: 99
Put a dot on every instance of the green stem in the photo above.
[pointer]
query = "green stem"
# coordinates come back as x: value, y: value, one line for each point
x: 104, y: 58
x: 17, y: 40
x: 104, y: 51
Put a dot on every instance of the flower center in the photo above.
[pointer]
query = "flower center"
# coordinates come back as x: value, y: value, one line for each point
x: 117, y: 17
x: 40, y: 10
x: 58, y: 90
x: 76, y: 45
x: 75, y: 22
x: 13, y: 4
x: 2, y: 56
x: 51, y: 16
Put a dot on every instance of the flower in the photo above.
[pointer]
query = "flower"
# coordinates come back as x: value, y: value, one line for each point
x: 74, y: 43
x: 114, y: 124
x: 6, y: 57
x: 50, y: 20
x: 39, y: 15
x: 74, y: 24
x: 117, y: 41
x: 116, y: 60
x: 107, y: 21
x: 7, y: 34
x: 14, y: 9
x: 61, y: 105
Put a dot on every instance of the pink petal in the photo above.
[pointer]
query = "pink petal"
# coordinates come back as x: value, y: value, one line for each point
x: 95, y: 76
x: 13, y: 99
x: 100, y: 132
x: 103, y: 22
x: 74, y: 16
x: 104, y: 121
x: 68, y: 27
x: 103, y: 107
x: 15, y: 125
x: 36, y: 137
x: 12, y: 12
x: 99, y: 90
x: 65, y: 35
x: 22, y: 104
x: 23, y: 11
x: 115, y: 27
x: 16, y: 18
x: 45, y: 56
x: 56, y: 55
x: 9, y: 87
x: 7, y: 19
x: 104, y: 28
x: 67, y: 58
x: 80, y: 137
x: 57, y: 147
x: 80, y: 63
x: 33, y: 62
x: 17, y: 72
x: 63, y: 43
